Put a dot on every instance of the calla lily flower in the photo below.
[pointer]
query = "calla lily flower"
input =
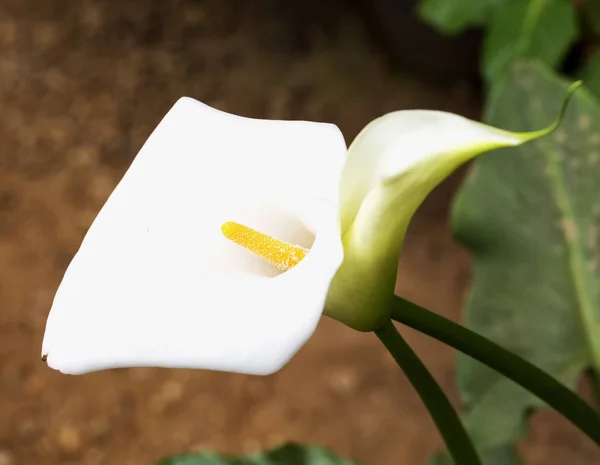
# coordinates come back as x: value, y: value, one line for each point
x: 229, y: 237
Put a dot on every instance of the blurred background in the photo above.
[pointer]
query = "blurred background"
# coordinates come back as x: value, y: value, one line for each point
x: 82, y: 85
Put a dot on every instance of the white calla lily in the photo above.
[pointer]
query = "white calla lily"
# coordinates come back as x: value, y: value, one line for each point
x: 156, y: 282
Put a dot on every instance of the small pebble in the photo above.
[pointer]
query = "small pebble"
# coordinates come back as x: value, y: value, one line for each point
x: 6, y: 458
x: 34, y: 385
x: 68, y: 439
x: 344, y: 380
x: 171, y: 391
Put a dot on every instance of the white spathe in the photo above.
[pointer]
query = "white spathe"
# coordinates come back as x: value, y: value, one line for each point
x: 402, y: 142
x: 155, y: 283
x: 392, y: 165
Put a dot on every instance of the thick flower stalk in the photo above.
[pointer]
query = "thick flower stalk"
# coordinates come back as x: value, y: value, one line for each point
x: 229, y: 237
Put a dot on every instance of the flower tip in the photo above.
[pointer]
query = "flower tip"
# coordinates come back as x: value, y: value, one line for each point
x: 528, y: 136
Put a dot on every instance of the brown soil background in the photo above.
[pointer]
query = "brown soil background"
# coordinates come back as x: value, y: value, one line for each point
x: 82, y: 84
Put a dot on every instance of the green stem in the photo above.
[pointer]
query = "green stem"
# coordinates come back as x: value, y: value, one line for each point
x: 445, y: 417
x: 527, y: 375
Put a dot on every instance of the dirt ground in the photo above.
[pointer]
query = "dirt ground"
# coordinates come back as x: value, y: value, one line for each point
x: 82, y: 84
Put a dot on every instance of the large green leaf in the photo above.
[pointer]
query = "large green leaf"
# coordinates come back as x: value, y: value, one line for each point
x: 507, y: 455
x: 590, y: 74
x: 287, y: 454
x: 540, y: 29
x: 530, y: 218
x: 592, y: 10
x: 454, y: 16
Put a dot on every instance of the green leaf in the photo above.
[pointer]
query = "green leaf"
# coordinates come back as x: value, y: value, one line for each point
x: 454, y: 16
x: 507, y: 455
x: 540, y: 29
x: 592, y: 8
x: 287, y: 454
x: 590, y: 74
x: 531, y: 221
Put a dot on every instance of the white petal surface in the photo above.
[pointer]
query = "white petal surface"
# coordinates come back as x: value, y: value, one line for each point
x: 155, y: 283
x: 400, y: 141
